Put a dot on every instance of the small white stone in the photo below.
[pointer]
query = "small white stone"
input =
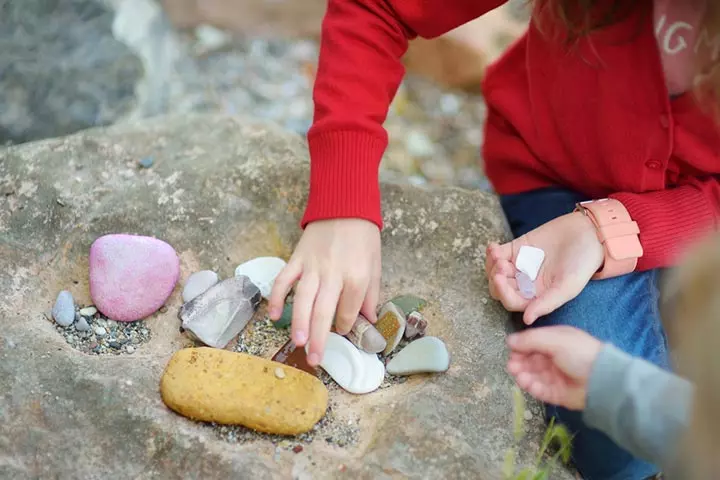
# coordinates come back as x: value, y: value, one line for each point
x: 529, y: 260
x: 279, y: 373
x: 262, y: 272
x: 130, y: 349
x: 528, y: 415
x: 198, y: 283
x: 88, y: 311
x: 428, y: 354
x: 100, y: 331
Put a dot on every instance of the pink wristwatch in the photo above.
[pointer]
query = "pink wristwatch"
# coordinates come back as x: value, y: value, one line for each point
x: 618, y: 233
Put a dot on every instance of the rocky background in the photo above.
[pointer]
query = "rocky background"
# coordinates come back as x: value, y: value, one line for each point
x: 66, y: 65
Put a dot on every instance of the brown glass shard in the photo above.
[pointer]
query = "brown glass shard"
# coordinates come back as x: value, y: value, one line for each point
x: 295, y: 357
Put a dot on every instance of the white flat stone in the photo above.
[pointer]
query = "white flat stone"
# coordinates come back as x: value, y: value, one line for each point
x: 341, y: 360
x: 529, y: 260
x: 373, y: 374
x: 355, y: 371
x: 198, y: 283
x: 262, y: 271
x: 426, y: 355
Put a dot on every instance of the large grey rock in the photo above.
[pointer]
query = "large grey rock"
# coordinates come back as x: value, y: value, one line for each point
x: 221, y: 191
x: 61, y: 70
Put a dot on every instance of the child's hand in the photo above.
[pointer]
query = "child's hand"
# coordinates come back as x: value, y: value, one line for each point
x: 553, y: 364
x: 337, y: 263
x: 573, y: 254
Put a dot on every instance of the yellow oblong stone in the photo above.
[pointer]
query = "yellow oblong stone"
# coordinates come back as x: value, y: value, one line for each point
x: 214, y: 385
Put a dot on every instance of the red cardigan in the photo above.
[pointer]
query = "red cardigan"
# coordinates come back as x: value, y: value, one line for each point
x: 597, y: 119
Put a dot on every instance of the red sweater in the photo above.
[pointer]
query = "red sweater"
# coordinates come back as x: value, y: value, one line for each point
x: 597, y: 119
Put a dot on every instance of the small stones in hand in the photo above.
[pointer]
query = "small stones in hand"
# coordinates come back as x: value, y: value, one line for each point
x: 366, y: 337
x: 526, y: 286
x: 391, y: 324
x: 64, y: 309
x: 409, y: 303
x: 218, y: 315
x: 426, y: 355
x: 529, y: 260
x: 415, y: 325
x: 262, y: 271
x: 131, y: 276
x: 197, y: 283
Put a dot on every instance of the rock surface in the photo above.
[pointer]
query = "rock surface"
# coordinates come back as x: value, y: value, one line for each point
x: 240, y: 389
x: 62, y: 70
x: 223, y: 190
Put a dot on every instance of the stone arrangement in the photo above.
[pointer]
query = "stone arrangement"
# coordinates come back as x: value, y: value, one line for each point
x: 131, y: 277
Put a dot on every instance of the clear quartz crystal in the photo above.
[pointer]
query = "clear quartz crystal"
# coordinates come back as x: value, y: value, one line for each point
x: 525, y: 285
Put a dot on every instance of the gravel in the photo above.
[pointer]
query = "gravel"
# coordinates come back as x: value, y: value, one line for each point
x: 102, y: 336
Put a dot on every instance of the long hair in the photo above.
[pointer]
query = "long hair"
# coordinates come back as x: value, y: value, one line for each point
x: 580, y: 18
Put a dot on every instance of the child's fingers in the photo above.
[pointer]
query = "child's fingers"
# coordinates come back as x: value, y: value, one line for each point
x: 281, y: 287
x: 322, y: 317
x: 372, y: 296
x: 305, y: 293
x: 496, y: 252
x: 349, y: 304
x: 507, y: 292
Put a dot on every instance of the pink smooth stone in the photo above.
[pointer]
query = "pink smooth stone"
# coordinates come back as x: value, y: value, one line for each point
x: 131, y: 276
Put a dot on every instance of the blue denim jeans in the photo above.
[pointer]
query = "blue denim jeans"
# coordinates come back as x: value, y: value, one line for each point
x: 622, y: 311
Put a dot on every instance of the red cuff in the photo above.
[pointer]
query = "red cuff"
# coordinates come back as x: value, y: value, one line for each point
x: 344, y: 176
x: 670, y: 221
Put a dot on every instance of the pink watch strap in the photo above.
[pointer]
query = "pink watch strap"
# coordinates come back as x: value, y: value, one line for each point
x: 618, y: 233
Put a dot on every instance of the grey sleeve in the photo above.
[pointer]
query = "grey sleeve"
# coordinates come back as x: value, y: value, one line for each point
x: 643, y: 408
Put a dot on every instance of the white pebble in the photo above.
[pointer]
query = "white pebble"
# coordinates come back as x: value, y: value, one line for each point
x: 100, y: 331
x: 279, y: 373
x: 88, y: 311
x: 528, y: 415
x: 262, y: 272
x: 130, y: 349
x: 529, y: 260
x: 198, y: 283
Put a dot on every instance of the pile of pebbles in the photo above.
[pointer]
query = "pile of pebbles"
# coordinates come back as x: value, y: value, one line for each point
x: 86, y: 329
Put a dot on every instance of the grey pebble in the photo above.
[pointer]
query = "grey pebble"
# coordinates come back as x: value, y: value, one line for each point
x: 130, y: 349
x: 82, y: 325
x: 64, y: 309
x: 100, y: 331
x: 146, y: 162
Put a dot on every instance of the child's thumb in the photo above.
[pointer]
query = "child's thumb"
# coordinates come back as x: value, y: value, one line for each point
x: 550, y: 300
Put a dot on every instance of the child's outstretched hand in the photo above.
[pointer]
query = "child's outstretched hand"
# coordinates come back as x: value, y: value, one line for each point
x: 337, y: 267
x: 573, y: 254
x: 553, y: 364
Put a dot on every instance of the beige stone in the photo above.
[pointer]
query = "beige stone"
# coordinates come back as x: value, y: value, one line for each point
x: 230, y: 388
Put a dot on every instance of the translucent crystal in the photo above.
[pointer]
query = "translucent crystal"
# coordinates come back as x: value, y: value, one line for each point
x: 525, y: 285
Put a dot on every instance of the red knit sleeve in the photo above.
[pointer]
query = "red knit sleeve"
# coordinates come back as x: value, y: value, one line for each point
x: 672, y: 220
x: 359, y: 71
